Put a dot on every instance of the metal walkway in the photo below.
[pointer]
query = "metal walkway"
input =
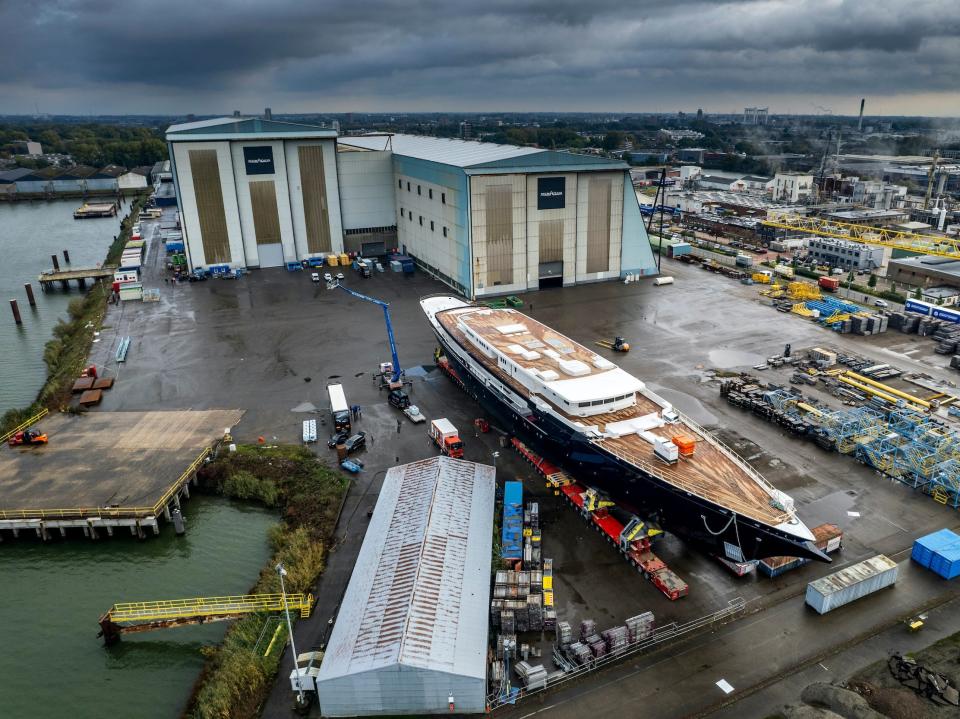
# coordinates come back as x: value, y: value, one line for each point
x: 134, y: 617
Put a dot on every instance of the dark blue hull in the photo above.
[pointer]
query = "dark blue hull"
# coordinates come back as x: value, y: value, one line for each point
x: 695, y: 520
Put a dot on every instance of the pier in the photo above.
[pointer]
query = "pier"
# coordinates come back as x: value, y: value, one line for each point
x: 96, y: 209
x: 105, y: 471
x: 64, y: 277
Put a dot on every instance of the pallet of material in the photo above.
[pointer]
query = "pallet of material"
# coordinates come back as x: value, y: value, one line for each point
x: 83, y: 384
x: 91, y: 397
x: 103, y: 383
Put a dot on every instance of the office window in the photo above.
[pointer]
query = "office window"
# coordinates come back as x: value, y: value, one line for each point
x: 419, y: 190
x: 430, y: 194
x: 410, y: 215
x: 443, y: 197
x: 400, y: 184
x: 444, y: 231
x: 421, y: 220
x: 408, y: 187
x: 401, y: 212
x: 431, y: 225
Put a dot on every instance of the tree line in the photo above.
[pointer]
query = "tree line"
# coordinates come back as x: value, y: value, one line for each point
x: 88, y: 144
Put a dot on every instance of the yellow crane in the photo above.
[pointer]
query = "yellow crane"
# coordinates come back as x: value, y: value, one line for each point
x: 882, y: 236
x: 134, y: 617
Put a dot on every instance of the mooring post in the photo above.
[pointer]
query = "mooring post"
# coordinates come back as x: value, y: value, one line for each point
x: 56, y: 263
x: 30, y: 298
x: 66, y: 257
x: 16, y: 312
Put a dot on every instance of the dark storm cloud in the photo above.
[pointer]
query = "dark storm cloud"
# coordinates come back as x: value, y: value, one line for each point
x: 489, y: 54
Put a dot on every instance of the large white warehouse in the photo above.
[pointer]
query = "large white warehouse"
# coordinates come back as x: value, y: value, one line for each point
x: 411, y: 635
x: 483, y: 218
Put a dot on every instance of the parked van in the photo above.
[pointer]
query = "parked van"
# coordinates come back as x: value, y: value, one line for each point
x: 663, y: 281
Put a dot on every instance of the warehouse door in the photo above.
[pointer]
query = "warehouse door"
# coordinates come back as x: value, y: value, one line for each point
x: 266, y: 223
x: 551, y: 254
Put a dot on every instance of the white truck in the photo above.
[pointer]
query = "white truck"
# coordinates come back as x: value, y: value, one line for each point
x: 446, y: 437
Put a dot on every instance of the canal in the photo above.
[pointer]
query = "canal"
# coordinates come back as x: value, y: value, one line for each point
x: 53, y: 665
x: 29, y: 233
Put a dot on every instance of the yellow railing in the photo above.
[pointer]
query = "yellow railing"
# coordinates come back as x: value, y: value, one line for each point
x: 198, y: 607
x: 109, y: 512
x: 23, y: 425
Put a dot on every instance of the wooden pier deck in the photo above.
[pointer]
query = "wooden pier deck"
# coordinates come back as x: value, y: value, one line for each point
x: 80, y: 276
x: 104, y: 470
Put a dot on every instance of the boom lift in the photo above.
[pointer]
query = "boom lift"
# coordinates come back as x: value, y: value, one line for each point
x: 394, y: 369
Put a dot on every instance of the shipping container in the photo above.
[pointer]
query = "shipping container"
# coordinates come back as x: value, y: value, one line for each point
x: 775, y: 566
x: 923, y: 308
x: 512, y: 535
x: 848, y: 585
x: 831, y: 284
x: 939, y: 552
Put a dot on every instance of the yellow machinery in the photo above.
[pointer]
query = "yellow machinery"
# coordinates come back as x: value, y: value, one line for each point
x: 134, y: 617
x: 592, y: 501
x: 801, y: 309
x: 762, y: 278
x: 884, y: 237
x: 803, y: 291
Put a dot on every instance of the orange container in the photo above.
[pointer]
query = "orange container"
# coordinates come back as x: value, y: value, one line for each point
x: 685, y: 445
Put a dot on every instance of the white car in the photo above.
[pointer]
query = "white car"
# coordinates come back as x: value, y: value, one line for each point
x: 315, y: 276
x: 328, y: 277
x: 880, y: 303
x: 339, y: 275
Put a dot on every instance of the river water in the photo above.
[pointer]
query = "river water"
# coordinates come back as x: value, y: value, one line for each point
x: 51, y: 596
x: 29, y: 233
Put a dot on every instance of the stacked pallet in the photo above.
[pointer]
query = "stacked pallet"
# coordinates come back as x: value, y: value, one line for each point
x: 616, y: 639
x: 564, y: 633
x: 640, y: 627
x: 579, y: 653
x: 588, y: 627
x: 533, y: 676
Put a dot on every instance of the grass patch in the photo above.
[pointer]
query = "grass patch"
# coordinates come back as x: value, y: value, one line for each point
x: 239, y: 672
x: 66, y: 353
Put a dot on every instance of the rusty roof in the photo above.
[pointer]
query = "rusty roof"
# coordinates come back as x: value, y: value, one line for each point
x: 420, y: 588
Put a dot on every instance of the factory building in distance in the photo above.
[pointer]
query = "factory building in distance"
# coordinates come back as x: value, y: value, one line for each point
x: 483, y: 218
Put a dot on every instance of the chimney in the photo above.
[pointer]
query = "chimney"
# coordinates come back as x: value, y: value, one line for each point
x: 267, y: 114
x: 236, y: 113
x: 863, y: 101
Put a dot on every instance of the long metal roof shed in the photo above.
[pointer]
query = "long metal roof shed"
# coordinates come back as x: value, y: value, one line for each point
x: 412, y: 627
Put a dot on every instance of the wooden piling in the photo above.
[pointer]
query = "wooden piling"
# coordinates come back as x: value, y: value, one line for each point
x: 16, y: 312
x: 66, y: 256
x: 56, y: 263
x: 30, y: 298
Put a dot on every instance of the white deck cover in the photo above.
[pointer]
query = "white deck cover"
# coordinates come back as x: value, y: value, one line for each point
x: 420, y: 590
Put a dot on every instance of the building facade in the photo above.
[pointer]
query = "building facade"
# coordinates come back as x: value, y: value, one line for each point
x: 483, y: 218
x: 792, y: 186
x: 846, y: 255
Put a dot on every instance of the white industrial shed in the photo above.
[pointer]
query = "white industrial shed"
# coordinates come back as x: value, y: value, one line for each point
x: 411, y: 635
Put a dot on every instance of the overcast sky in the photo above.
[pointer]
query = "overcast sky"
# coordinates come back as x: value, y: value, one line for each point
x: 213, y: 56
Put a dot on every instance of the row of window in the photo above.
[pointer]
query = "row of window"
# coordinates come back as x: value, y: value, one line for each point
x: 409, y: 215
x: 596, y: 402
x: 443, y: 195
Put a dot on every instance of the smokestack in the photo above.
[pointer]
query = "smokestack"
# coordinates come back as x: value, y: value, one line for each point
x: 863, y: 101
x: 236, y: 113
x: 267, y: 114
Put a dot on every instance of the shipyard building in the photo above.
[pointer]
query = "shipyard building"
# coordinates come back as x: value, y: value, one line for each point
x: 411, y: 634
x: 483, y: 218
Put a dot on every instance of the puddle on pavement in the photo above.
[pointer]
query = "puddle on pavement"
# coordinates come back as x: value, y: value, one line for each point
x: 725, y: 359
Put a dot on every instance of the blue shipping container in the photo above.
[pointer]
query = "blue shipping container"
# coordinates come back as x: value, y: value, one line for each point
x: 512, y: 535
x: 925, y: 548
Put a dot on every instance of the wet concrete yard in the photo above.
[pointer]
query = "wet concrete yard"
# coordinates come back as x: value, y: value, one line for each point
x: 270, y: 342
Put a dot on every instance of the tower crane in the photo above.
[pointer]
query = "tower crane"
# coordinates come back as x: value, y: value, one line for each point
x: 396, y: 373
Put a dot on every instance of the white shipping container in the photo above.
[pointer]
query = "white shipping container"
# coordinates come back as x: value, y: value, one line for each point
x: 852, y: 583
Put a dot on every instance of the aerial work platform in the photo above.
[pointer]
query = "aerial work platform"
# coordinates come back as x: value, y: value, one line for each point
x: 135, y: 617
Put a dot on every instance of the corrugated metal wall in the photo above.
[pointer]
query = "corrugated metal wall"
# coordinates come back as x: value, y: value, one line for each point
x: 266, y: 218
x: 209, y: 195
x: 499, y: 223
x: 551, y: 241
x: 316, y: 212
x: 598, y: 224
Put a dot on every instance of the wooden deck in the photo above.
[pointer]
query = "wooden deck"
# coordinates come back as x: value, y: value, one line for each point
x: 710, y: 473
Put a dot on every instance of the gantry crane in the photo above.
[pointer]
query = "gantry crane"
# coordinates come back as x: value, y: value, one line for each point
x: 396, y: 372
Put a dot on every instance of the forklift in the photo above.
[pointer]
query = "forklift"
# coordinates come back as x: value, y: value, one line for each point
x: 617, y: 344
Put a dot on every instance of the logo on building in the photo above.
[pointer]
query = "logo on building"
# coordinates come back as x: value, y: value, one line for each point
x: 551, y: 193
x: 258, y: 160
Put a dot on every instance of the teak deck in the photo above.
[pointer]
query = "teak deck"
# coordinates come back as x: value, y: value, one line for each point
x: 709, y: 473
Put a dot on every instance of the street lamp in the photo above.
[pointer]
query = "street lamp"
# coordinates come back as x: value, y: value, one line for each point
x: 286, y: 610
x: 494, y: 455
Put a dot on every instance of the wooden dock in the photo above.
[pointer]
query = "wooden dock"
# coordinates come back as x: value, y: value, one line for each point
x: 64, y: 277
x: 96, y: 209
